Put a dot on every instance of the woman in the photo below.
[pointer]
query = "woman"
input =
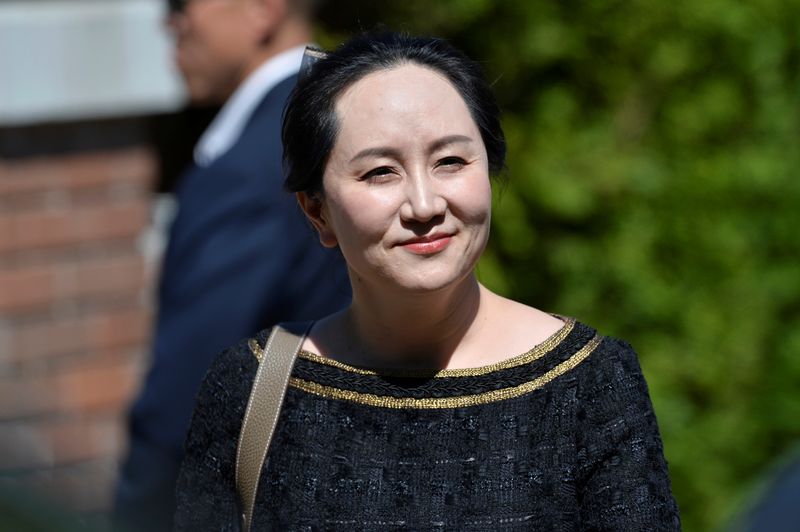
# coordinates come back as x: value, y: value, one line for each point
x: 430, y: 402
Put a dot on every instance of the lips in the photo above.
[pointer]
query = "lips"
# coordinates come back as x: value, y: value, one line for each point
x: 427, y: 245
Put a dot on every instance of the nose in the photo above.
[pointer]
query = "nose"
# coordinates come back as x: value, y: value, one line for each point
x: 423, y: 200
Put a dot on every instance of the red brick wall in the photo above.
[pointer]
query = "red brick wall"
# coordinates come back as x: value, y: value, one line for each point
x: 74, y: 318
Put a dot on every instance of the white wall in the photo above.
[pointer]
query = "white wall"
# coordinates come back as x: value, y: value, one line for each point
x: 81, y: 59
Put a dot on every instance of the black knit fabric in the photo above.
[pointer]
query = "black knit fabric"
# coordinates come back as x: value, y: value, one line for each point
x: 577, y: 450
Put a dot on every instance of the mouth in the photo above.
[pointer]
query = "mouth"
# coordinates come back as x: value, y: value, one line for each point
x: 427, y: 245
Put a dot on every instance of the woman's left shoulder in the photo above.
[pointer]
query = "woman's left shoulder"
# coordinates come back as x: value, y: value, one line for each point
x: 612, y: 369
x: 621, y: 472
x: 614, y: 354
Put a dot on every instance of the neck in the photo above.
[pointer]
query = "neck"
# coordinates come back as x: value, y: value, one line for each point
x: 412, y: 330
x: 292, y: 32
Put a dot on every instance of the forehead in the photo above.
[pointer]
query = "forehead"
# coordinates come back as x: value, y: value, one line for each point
x: 404, y: 102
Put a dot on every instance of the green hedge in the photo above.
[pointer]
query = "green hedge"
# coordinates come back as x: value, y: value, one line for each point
x: 654, y: 193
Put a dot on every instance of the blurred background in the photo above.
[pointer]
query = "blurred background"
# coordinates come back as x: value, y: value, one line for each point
x: 653, y: 191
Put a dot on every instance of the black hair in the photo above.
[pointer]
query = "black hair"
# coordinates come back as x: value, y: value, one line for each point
x: 310, y: 124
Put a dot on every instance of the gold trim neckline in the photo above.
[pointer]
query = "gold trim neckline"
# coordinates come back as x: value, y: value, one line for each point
x: 448, y: 402
x: 535, y: 353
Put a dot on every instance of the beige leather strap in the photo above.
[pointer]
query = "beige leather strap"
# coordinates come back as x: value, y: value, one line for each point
x: 263, y: 409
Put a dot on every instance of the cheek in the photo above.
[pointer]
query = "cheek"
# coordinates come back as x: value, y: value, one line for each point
x: 483, y: 198
x: 360, y: 216
x: 474, y: 201
x: 213, y: 35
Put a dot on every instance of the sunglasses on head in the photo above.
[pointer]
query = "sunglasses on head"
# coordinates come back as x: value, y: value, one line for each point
x: 310, y: 56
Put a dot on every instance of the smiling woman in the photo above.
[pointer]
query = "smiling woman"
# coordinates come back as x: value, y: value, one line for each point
x: 429, y: 402
x: 408, y: 148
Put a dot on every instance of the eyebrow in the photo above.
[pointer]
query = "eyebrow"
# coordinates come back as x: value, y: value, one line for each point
x: 386, y: 151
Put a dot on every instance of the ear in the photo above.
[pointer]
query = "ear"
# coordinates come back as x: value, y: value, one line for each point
x: 314, y: 207
x: 267, y: 15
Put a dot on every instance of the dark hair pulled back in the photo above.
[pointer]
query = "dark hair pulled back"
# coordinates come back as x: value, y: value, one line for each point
x: 310, y: 124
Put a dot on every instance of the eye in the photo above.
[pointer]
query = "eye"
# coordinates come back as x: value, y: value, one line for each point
x: 379, y: 175
x: 452, y: 163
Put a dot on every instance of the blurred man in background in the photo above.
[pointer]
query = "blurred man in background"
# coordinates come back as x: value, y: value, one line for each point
x: 240, y: 255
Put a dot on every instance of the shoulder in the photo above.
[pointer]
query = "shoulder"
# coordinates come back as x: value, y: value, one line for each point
x: 612, y: 360
x: 206, y: 488
x: 621, y: 472
x: 275, y: 99
x: 226, y: 386
x: 611, y: 383
x: 258, y: 151
x: 268, y: 114
x: 234, y: 362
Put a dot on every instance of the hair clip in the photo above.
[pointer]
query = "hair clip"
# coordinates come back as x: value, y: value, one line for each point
x: 310, y: 56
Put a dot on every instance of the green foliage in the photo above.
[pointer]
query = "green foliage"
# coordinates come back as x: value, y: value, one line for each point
x: 653, y: 193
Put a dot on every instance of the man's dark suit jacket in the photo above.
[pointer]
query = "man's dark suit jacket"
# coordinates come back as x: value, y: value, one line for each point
x: 240, y: 257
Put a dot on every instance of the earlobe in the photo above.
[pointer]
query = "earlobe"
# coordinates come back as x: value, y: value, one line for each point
x: 267, y: 14
x: 313, y: 208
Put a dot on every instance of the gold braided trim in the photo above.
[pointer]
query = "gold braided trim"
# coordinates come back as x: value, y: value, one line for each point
x: 525, y: 358
x: 255, y: 349
x: 448, y: 402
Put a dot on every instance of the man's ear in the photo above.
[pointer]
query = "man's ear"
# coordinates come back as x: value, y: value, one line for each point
x: 314, y: 208
x: 267, y: 15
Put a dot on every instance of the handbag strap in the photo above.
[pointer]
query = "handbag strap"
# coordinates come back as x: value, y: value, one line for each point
x: 263, y: 408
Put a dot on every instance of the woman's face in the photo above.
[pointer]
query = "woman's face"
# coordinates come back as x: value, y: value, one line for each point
x: 407, y: 196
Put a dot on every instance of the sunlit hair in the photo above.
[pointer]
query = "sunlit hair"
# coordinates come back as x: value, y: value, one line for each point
x: 310, y: 124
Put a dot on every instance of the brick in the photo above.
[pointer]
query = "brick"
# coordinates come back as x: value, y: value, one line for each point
x: 105, y: 388
x: 134, y: 166
x: 6, y: 232
x: 46, y: 338
x: 41, y: 201
x: 116, y: 330
x: 72, y: 324
x: 117, y: 275
x: 42, y: 443
x: 23, y: 289
x: 66, y: 227
x: 78, y: 388
x: 6, y: 339
x: 98, y: 331
x: 26, y: 288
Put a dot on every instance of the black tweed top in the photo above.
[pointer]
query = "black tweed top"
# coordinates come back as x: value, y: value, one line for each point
x: 560, y: 438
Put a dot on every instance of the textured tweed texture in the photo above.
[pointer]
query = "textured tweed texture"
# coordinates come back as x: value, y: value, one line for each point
x: 578, y: 451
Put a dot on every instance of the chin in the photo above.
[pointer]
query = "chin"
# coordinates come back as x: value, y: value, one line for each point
x: 199, y: 97
x: 431, y: 282
x: 200, y: 93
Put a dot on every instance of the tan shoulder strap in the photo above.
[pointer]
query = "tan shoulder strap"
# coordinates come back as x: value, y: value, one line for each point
x: 263, y: 409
